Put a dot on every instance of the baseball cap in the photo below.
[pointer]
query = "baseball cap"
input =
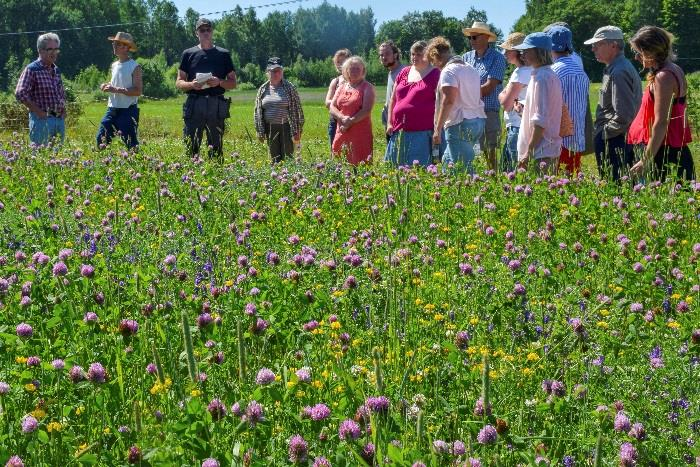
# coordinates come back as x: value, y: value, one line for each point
x: 202, y: 22
x: 273, y: 63
x: 606, y: 32
x: 536, y: 40
x: 561, y: 38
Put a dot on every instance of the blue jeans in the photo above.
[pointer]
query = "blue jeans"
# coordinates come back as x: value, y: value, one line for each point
x: 509, y: 155
x: 461, y: 139
x: 41, y: 130
x: 332, y: 127
x: 125, y: 121
x: 407, y: 146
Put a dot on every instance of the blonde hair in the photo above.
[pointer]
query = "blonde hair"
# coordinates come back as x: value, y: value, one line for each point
x: 349, y: 62
x: 439, y: 49
x: 345, y: 53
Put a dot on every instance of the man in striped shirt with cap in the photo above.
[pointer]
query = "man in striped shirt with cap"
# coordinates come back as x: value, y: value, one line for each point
x: 574, y: 85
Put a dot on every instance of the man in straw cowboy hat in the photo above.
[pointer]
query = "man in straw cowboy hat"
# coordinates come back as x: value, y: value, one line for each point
x: 491, y: 66
x: 124, y: 90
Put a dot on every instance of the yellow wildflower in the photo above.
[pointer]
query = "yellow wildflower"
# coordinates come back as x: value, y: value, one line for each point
x: 602, y: 324
x: 532, y: 357
x: 54, y: 426
x: 673, y: 324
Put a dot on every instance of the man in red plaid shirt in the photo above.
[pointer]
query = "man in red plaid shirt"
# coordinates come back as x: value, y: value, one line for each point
x: 40, y: 89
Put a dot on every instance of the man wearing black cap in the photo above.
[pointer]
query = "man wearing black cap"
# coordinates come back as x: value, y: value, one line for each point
x: 206, y: 72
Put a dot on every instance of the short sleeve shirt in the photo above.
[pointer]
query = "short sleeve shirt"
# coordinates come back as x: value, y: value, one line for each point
x: 491, y: 65
x: 216, y: 61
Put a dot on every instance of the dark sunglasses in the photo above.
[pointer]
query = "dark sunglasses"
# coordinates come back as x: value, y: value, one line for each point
x: 51, y: 49
x: 204, y: 29
x: 473, y: 38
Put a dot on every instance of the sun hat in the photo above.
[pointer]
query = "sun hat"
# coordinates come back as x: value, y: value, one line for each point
x: 561, y: 38
x: 536, y: 40
x: 513, y: 39
x: 124, y: 38
x: 479, y: 27
x: 606, y: 33
x: 274, y: 63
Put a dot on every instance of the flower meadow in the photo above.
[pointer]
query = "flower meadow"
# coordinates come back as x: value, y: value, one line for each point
x: 156, y: 310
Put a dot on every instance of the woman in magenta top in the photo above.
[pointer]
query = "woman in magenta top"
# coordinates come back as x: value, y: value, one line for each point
x: 661, y: 124
x: 411, y: 111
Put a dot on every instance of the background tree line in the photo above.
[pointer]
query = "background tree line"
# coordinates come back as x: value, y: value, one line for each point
x: 305, y: 39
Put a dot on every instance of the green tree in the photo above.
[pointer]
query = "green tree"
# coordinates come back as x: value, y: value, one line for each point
x: 680, y: 18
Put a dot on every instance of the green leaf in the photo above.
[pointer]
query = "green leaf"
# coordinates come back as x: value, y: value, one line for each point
x: 43, y: 436
x: 88, y: 459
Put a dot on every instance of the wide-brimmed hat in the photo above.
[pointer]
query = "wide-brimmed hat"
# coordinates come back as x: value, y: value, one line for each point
x: 274, y: 63
x: 513, y: 39
x: 479, y: 27
x: 606, y: 33
x: 536, y: 40
x: 124, y: 38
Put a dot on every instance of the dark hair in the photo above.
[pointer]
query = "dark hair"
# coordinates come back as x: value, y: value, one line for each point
x: 342, y: 53
x: 394, y: 47
x: 655, y: 42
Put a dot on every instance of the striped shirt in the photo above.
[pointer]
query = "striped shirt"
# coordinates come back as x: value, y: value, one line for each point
x: 42, y: 85
x: 295, y: 114
x: 275, y: 104
x: 491, y: 65
x: 574, y: 85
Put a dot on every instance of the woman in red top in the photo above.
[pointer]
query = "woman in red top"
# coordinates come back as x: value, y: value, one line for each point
x: 661, y: 123
x: 352, y: 107
x: 412, y: 110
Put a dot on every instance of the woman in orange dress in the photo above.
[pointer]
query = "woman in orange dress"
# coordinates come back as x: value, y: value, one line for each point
x: 352, y: 108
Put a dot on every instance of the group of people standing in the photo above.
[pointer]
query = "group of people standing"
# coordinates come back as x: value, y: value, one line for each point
x: 438, y: 108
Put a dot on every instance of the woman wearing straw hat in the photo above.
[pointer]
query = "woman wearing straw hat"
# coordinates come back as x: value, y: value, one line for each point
x: 512, y: 98
x: 491, y: 67
x: 124, y: 90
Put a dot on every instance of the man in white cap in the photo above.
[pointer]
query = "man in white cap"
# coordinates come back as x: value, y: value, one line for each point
x: 619, y: 101
x: 124, y: 90
x: 491, y: 66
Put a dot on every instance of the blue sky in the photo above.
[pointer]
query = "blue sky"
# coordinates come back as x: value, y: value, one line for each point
x: 502, y: 13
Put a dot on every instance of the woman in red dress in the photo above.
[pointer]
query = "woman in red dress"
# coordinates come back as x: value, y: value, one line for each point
x: 352, y: 108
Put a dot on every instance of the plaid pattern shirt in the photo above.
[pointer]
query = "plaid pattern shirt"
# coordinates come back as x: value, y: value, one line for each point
x: 491, y: 65
x: 42, y: 85
x: 296, y: 113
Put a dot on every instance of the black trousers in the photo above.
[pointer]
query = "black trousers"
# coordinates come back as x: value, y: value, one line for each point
x: 279, y: 140
x: 613, y: 156
x: 667, y: 157
x: 205, y: 114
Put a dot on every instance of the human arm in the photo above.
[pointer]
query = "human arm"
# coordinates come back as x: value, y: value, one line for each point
x: 489, y: 86
x: 509, y: 95
x: 136, y: 88
x: 23, y: 93
x: 364, y: 112
x: 390, y: 110
x: 296, y: 112
x: 448, y: 97
x: 664, y: 89
x: 332, y: 87
x: 183, y: 85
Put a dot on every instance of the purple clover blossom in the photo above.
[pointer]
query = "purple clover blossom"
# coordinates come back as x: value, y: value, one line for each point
x: 29, y: 424
x: 637, y: 432
x: 210, y: 462
x: 254, y: 413
x: 655, y: 358
x: 204, y: 320
x: 76, y: 374
x: 59, y: 269
x: 87, y: 271
x: 319, y: 412
x: 96, y: 373
x: 304, y: 374
x: 217, y: 409
x: 441, y: 447
x: 487, y: 435
x: 310, y: 326
x: 14, y: 461
x: 636, y: 307
x: 24, y: 330
x: 622, y: 422
x: 4, y: 388
x: 90, y: 317
x: 298, y: 449
x: 368, y: 452
x: 128, y: 327
x: 321, y: 462
x: 58, y: 364
x: 480, y: 410
x: 379, y: 404
x: 265, y: 376
x: 458, y: 448
x: 33, y: 361
x: 349, y: 430
x: 462, y: 340
x: 628, y: 455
